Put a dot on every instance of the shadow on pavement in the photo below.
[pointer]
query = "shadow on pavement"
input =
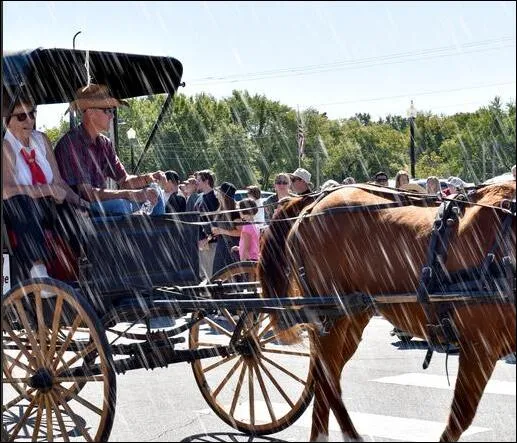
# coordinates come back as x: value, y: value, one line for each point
x: 228, y: 437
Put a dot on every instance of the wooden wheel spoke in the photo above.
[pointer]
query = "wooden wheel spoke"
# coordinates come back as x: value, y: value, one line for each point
x: 227, y: 377
x: 276, y: 384
x: 264, y: 393
x: 17, y: 362
x: 251, y: 394
x: 24, y: 396
x: 37, y: 422
x: 48, y: 410
x: 81, y: 400
x: 55, y: 326
x: 30, y: 357
x: 237, y: 390
x: 229, y: 317
x: 78, y: 355
x: 285, y: 371
x: 67, y: 341
x: 266, y: 329
x: 286, y: 352
x: 72, y: 416
x: 218, y: 327
x: 42, y: 328
x: 59, y: 417
x: 82, y: 379
x: 25, y: 322
x: 219, y: 363
x: 12, y: 380
x: 24, y: 417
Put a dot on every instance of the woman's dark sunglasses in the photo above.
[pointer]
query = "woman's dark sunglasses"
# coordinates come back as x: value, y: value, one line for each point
x: 281, y: 183
x: 22, y: 116
x: 107, y: 111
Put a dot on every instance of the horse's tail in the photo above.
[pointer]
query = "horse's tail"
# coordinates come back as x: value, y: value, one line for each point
x: 274, y: 267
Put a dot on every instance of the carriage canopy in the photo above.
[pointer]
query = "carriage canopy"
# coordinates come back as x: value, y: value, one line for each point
x: 53, y: 75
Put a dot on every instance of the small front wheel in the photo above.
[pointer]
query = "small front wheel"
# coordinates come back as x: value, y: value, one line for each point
x: 260, y: 386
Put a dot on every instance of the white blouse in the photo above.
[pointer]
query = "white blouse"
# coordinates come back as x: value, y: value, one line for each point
x: 22, y: 174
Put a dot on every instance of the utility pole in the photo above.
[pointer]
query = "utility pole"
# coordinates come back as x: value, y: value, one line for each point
x: 317, y: 166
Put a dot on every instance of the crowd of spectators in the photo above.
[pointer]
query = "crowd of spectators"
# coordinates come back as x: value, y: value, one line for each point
x: 74, y: 177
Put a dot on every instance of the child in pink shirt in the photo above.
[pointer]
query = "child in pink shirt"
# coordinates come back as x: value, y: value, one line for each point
x: 248, y: 248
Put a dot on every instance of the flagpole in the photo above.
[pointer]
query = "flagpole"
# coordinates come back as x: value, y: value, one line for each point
x: 297, y: 136
x: 300, y: 137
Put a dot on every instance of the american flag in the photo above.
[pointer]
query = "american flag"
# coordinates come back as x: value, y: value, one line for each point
x: 300, y: 136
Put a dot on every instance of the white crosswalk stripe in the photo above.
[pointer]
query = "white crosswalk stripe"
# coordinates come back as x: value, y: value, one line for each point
x: 440, y: 382
x: 376, y: 425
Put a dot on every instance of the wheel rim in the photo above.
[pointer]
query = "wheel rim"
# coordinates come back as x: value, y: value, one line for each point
x: 262, y: 387
x: 58, y: 381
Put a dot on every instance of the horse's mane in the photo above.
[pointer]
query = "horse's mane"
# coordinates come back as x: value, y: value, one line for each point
x: 273, y: 259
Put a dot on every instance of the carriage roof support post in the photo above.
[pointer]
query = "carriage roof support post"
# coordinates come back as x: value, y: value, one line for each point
x: 165, y: 107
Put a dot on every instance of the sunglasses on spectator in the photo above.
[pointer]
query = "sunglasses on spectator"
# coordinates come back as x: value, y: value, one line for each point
x: 295, y: 179
x: 22, y: 116
x: 107, y: 111
x: 281, y: 183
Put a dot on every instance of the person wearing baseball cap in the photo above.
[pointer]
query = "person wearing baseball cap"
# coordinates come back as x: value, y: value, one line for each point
x: 301, y: 181
x: 86, y: 158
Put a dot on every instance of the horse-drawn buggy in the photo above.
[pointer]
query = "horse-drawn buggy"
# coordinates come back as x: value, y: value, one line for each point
x: 443, y: 270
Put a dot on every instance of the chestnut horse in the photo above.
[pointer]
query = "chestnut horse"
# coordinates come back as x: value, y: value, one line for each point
x: 383, y: 251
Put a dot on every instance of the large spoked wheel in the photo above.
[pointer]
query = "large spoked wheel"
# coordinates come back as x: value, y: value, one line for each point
x: 58, y: 380
x: 261, y: 387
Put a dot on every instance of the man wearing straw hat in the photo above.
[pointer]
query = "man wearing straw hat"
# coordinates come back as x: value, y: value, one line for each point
x: 86, y: 158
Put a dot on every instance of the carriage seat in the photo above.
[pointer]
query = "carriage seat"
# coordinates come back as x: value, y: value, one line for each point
x: 124, y: 252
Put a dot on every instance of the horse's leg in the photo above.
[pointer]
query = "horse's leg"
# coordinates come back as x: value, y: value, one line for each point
x: 333, y: 351
x: 476, y: 364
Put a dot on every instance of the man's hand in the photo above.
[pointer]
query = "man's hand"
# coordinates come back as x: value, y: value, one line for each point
x: 150, y: 194
x: 202, y: 244
x: 159, y: 176
x: 58, y: 193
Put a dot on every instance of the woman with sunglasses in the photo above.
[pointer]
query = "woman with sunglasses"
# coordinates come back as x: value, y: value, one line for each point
x: 282, y: 184
x: 31, y: 187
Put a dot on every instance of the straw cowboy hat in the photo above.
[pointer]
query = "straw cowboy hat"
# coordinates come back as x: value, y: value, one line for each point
x: 95, y: 96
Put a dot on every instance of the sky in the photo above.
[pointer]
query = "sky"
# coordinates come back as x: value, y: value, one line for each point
x: 341, y: 58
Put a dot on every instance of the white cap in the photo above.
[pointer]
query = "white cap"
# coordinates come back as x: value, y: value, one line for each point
x: 302, y: 174
x: 456, y: 182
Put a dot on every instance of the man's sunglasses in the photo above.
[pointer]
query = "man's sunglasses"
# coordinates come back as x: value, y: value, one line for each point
x: 281, y: 183
x: 22, y: 116
x: 107, y: 111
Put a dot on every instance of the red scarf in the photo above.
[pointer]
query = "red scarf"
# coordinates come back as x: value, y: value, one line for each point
x: 38, y: 177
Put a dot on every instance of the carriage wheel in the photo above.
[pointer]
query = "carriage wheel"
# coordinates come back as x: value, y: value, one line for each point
x: 262, y: 387
x: 58, y: 381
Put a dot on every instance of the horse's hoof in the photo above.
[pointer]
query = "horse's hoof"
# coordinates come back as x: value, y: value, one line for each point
x: 322, y: 437
x: 347, y: 437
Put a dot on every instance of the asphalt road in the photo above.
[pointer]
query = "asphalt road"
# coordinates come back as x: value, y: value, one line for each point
x: 388, y: 394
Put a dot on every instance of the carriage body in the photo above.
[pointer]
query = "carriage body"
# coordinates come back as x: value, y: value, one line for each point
x: 60, y: 355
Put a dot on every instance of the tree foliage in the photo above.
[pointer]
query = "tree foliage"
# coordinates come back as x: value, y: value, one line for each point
x: 247, y: 139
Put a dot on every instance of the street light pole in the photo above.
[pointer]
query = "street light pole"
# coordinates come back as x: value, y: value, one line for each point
x: 412, y: 115
x: 131, y: 136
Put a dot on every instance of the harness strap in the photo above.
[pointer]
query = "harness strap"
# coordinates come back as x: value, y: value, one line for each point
x: 438, y: 320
